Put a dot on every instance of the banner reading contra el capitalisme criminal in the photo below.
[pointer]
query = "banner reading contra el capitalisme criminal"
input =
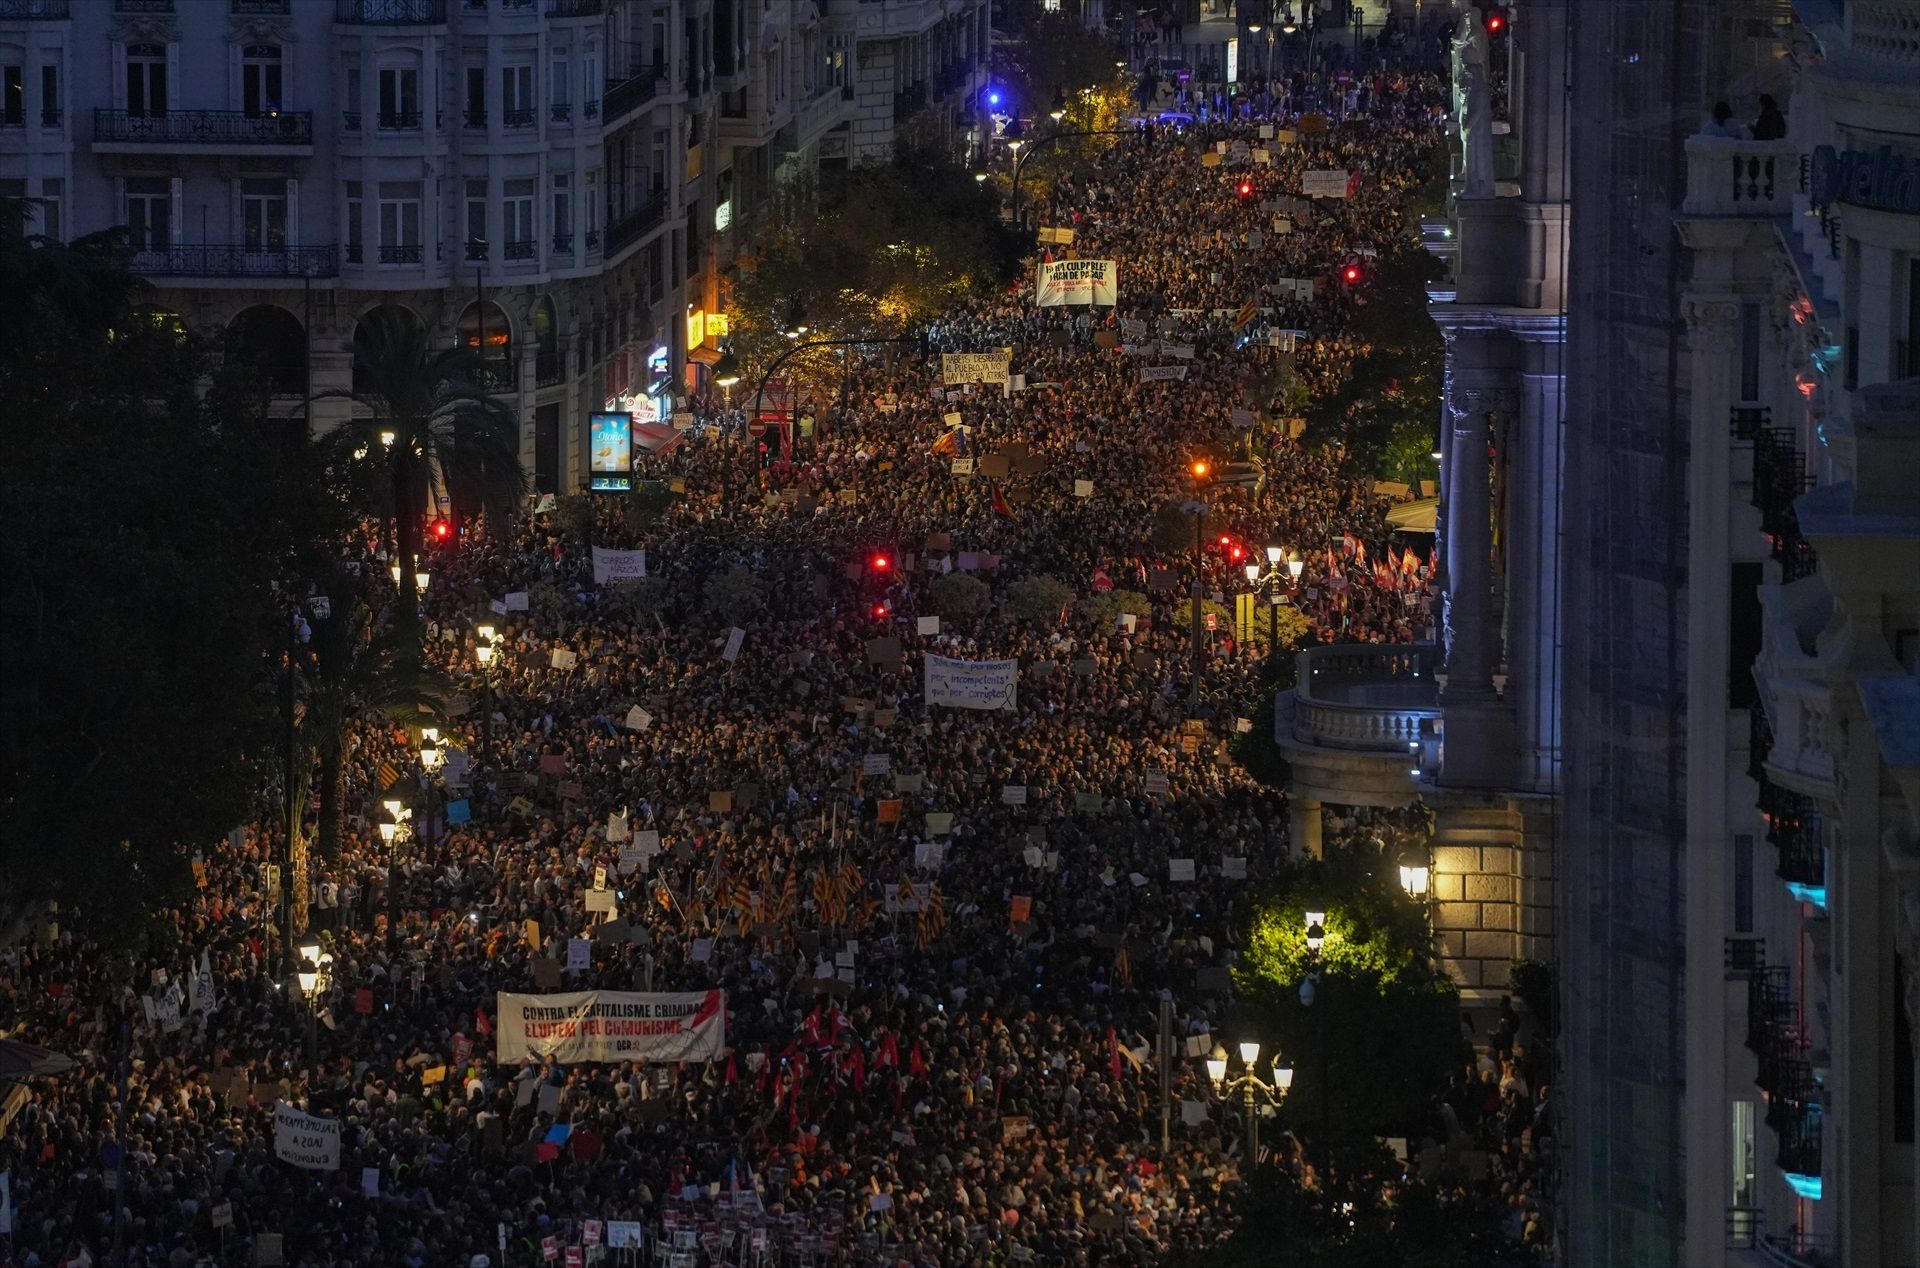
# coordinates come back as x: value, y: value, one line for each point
x: 612, y: 1026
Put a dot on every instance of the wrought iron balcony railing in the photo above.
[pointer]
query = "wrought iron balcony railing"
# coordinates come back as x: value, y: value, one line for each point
x: 239, y: 260
x: 519, y: 118
x: 1779, y: 477
x: 634, y: 91
x: 637, y: 222
x: 205, y: 127
x: 563, y: 244
x: 562, y: 112
x: 521, y: 250
x: 53, y: 9
x: 399, y: 120
x: 260, y: 8
x: 412, y: 254
x: 390, y: 12
x: 1794, y: 829
x: 549, y: 368
x: 576, y: 8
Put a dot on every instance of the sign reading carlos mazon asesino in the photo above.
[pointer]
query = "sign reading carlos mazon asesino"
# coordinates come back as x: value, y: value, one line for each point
x: 1063, y: 282
x: 612, y: 1026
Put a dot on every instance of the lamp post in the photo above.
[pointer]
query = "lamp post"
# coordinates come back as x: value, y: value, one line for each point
x: 1269, y: 580
x: 395, y: 833
x: 307, y: 975
x: 1315, y: 921
x: 485, y: 653
x: 1251, y: 1086
x: 1202, y: 472
x: 1024, y: 149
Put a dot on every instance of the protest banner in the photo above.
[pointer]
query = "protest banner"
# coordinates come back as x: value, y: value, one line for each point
x: 305, y: 1140
x: 612, y: 1026
x: 972, y: 684
x: 1069, y: 282
x: 975, y: 367
x: 1162, y: 373
x: 1334, y: 183
x: 617, y: 565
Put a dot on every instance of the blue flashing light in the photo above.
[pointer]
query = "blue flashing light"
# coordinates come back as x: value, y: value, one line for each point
x: 1815, y: 894
x: 1806, y: 1186
x: 993, y: 98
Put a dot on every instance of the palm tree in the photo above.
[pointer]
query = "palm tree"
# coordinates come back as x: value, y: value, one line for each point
x: 441, y: 423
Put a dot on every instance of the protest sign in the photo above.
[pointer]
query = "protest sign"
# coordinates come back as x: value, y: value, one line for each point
x: 611, y: 566
x: 975, y: 367
x: 972, y: 684
x: 1065, y: 282
x: 612, y: 1026
x: 305, y: 1140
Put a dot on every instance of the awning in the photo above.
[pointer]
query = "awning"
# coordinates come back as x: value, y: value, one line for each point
x: 657, y: 438
x: 1413, y: 517
x: 700, y: 354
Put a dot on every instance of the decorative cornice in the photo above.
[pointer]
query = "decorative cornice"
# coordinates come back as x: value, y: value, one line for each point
x: 142, y: 28
x: 261, y: 29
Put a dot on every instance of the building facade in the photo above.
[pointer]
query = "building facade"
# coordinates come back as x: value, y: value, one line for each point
x: 557, y: 182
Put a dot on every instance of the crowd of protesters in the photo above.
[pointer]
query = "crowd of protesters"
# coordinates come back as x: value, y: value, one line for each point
x: 942, y: 968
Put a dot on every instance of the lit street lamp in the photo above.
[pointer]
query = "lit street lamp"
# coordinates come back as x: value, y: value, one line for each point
x: 1315, y: 923
x: 1250, y: 1085
x: 1269, y: 580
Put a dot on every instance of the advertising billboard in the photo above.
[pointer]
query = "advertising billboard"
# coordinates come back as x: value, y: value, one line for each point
x: 610, y: 452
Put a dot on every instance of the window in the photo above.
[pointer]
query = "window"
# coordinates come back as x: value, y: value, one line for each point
x: 477, y: 220
x: 356, y: 224
x: 399, y: 222
x: 516, y: 96
x: 399, y: 97
x: 563, y: 211
x: 590, y: 78
x: 592, y: 204
x: 263, y: 214
x: 260, y: 80
x: 351, y: 97
x: 149, y: 212
x: 559, y: 83
x: 146, y: 80
x: 50, y: 96
x: 519, y: 219
x: 53, y: 196
x: 1749, y: 353
x: 13, y: 94
x: 476, y: 96
x: 1746, y: 1188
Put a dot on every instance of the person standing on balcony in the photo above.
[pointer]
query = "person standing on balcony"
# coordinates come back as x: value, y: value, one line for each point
x: 1771, y: 125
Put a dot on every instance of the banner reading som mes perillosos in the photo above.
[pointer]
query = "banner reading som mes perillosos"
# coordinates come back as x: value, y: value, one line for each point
x: 612, y: 1026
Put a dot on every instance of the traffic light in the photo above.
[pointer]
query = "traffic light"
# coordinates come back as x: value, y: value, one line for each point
x: 1351, y: 274
x: 441, y: 531
x: 880, y: 563
x: 1496, y: 22
x: 1244, y: 189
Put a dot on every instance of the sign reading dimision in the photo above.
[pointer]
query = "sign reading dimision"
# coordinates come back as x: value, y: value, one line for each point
x: 612, y: 1026
x: 1065, y: 282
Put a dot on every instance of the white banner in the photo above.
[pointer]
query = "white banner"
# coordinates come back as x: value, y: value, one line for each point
x: 975, y: 367
x: 618, y: 565
x: 305, y: 1140
x: 972, y: 684
x: 612, y: 1026
x: 1325, y: 184
x: 1156, y: 373
x: 1077, y: 282
x: 201, y: 995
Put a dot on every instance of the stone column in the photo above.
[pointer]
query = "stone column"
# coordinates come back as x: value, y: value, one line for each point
x: 1533, y: 565
x: 1305, y: 819
x: 1469, y: 549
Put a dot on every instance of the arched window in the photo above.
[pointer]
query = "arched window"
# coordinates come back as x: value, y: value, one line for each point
x: 270, y: 341
x: 364, y: 343
x: 484, y: 329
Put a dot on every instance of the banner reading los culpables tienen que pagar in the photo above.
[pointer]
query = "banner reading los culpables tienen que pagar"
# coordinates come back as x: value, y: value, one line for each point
x: 612, y: 1026
x: 1063, y: 282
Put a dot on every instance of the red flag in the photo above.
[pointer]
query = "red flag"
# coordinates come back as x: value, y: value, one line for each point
x: 1000, y: 506
x: 1102, y: 583
x: 480, y: 1022
x: 1113, y: 1053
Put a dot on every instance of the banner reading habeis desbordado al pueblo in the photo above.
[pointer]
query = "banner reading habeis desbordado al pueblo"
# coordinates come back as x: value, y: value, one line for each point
x: 612, y: 1026
x: 1076, y: 282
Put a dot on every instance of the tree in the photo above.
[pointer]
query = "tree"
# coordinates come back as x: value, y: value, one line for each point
x: 141, y: 635
x: 1381, y: 1035
x: 639, y: 598
x: 1039, y: 599
x: 442, y: 425
x: 1104, y: 610
x: 1171, y: 533
x: 735, y: 594
x: 960, y: 596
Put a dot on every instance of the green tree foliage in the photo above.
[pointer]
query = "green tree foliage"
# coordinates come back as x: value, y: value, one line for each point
x: 1387, y: 410
x: 1171, y: 533
x: 1039, y: 599
x: 646, y: 504
x: 639, y: 599
x: 959, y: 596
x: 140, y: 635
x: 1053, y: 53
x: 1221, y: 613
x: 735, y: 593
x: 1104, y: 610
x: 573, y: 519
x: 1382, y: 1032
x: 892, y: 245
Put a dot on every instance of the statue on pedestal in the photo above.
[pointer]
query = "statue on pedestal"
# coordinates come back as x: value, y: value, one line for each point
x: 1473, y: 105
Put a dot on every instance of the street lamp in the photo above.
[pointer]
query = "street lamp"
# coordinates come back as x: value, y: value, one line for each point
x: 1316, y: 927
x: 394, y: 572
x: 1415, y: 874
x: 1250, y: 1085
x: 726, y: 371
x: 420, y: 580
x: 1269, y: 579
x: 1201, y: 470
x: 308, y: 977
x: 387, y: 437
x: 1059, y: 110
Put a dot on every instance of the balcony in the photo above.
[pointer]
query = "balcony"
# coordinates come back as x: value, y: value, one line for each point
x: 549, y: 368
x: 476, y: 250
x: 590, y: 111
x: 143, y: 6
x: 390, y: 12
x: 519, y: 118
x: 1740, y: 179
x: 562, y: 112
x: 637, y: 223
x: 1368, y: 699
x: 576, y: 8
x: 240, y: 261
x: 260, y: 8
x: 1796, y: 831
x: 350, y: 120
x: 563, y: 244
x: 413, y: 254
x: 34, y: 9
x: 629, y: 94
x: 521, y: 250
x: 475, y: 118
x: 121, y: 131
x: 399, y: 120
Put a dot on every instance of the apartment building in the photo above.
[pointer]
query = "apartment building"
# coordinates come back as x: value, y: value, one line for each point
x: 551, y: 180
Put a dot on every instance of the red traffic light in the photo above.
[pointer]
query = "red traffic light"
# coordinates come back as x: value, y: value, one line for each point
x: 1496, y: 21
x: 880, y: 611
x: 880, y: 563
x: 442, y: 531
x: 1244, y: 189
x: 1350, y: 274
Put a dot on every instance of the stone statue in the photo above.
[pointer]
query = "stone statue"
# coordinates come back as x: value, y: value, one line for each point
x: 1473, y: 106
